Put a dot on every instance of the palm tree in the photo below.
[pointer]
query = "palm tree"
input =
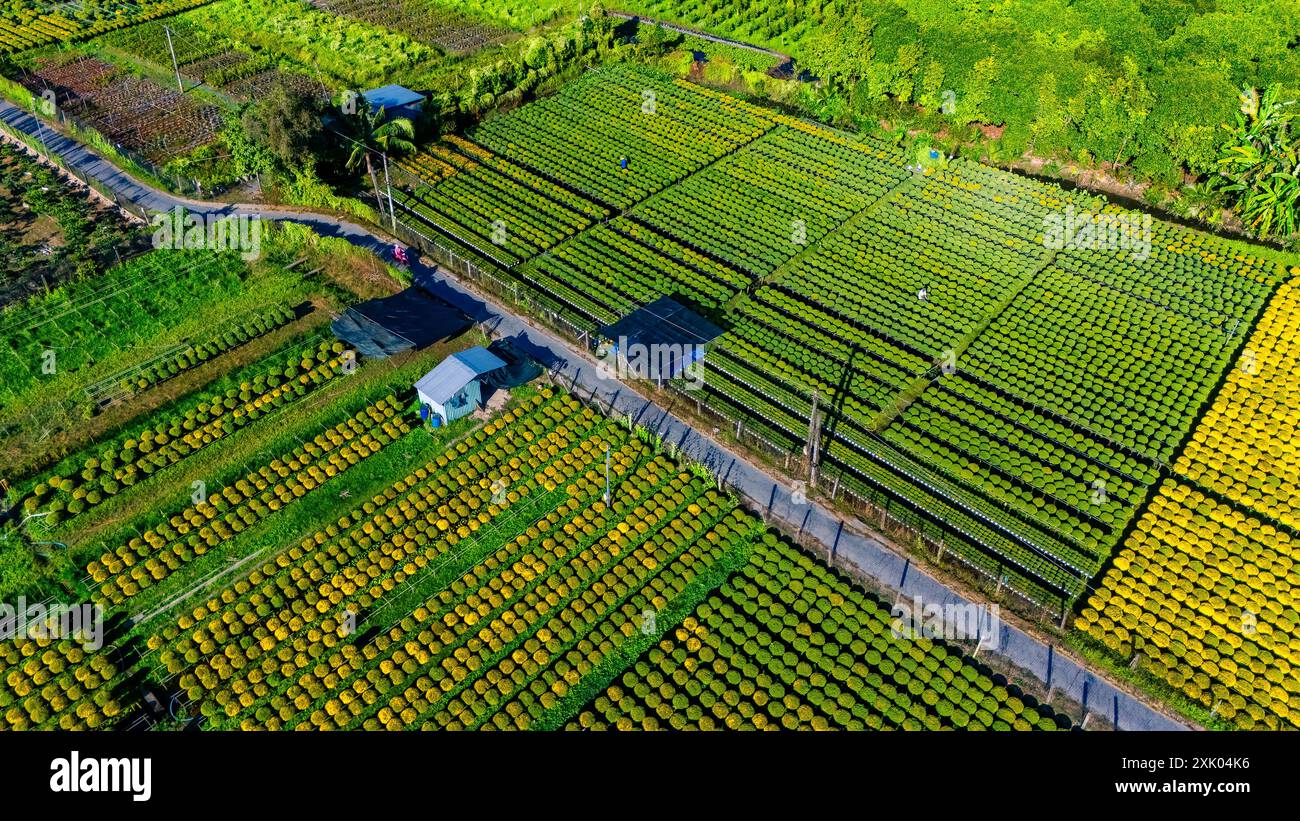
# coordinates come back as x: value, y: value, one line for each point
x: 370, y: 132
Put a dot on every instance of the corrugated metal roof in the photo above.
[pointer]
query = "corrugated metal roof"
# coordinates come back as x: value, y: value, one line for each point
x: 457, y: 371
x: 480, y: 359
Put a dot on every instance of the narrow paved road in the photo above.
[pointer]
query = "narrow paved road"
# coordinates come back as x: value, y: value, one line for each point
x: 703, y: 35
x: 787, y: 62
x: 876, y: 560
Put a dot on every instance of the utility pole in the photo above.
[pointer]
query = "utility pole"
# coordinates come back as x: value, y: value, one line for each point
x: 45, y: 149
x: 175, y: 66
x: 813, y: 451
x: 391, y: 213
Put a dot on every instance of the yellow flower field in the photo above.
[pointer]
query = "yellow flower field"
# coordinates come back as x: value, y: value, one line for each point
x: 1207, y: 596
x: 1246, y: 445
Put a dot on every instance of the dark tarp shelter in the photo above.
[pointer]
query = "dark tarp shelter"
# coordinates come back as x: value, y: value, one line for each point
x: 407, y: 320
x: 664, y: 334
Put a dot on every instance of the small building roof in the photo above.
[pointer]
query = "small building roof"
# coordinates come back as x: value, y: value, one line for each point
x: 457, y: 371
x: 392, y: 96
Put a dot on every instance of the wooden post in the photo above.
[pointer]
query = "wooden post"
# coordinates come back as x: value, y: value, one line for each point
x: 176, y: 68
x: 810, y: 449
x: 814, y: 441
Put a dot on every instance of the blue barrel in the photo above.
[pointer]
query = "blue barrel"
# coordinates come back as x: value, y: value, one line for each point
x: 435, y: 421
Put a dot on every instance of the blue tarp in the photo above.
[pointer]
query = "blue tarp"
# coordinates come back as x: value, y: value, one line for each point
x: 392, y: 97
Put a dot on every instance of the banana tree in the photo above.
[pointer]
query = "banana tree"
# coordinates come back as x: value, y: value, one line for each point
x: 1259, y: 164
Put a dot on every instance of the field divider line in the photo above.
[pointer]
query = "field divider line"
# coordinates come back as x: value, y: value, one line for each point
x: 924, y: 382
x: 815, y: 247
x: 201, y: 584
x: 529, y: 512
x: 555, y: 572
x: 491, y: 165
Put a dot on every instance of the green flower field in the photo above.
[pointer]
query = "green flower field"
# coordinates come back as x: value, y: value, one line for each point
x: 812, y: 248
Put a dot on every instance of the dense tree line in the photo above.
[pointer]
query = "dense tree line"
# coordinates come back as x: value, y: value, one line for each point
x: 1145, y: 85
x: 296, y: 137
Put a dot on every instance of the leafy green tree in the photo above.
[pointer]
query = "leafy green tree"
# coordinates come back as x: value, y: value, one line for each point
x: 906, y: 68
x: 1110, y: 111
x: 652, y: 41
x: 540, y: 54
x: 1134, y: 100
x: 978, y: 88
x: 841, y: 52
x: 246, y: 154
x: 1259, y: 164
x: 1051, y: 120
x: 287, y: 124
x: 930, y: 89
x: 1183, y: 132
